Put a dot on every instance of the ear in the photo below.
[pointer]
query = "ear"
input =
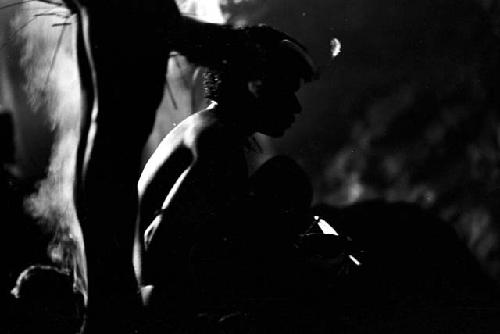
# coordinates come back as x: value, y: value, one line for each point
x: 255, y: 87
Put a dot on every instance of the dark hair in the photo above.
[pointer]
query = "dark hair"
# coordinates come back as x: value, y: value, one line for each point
x: 46, y: 301
x: 40, y: 280
x: 273, y: 48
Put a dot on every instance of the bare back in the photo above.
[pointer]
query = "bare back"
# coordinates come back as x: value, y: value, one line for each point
x: 196, y: 176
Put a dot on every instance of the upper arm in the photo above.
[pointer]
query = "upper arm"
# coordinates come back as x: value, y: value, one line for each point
x: 161, y: 172
x: 213, y: 184
x: 216, y: 177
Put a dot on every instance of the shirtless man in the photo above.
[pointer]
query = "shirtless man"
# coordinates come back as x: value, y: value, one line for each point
x: 198, y: 176
x: 123, y: 48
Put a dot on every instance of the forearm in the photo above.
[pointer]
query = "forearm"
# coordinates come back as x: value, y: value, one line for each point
x: 209, y: 44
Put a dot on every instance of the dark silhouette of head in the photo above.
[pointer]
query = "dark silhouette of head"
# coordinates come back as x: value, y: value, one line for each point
x: 46, y: 302
x: 261, y: 95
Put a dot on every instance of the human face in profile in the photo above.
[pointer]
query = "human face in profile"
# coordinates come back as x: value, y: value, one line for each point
x: 276, y: 103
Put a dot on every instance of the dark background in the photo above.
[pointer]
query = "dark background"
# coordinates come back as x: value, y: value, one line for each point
x: 408, y: 112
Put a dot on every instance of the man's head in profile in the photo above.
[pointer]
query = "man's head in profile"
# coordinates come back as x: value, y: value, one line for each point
x: 262, y: 96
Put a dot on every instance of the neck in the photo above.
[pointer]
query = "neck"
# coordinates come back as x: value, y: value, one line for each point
x: 236, y: 116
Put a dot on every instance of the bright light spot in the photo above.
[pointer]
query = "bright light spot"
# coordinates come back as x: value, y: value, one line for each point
x: 335, y: 47
x: 355, y: 189
x: 205, y: 10
x: 356, y: 261
x: 326, y: 228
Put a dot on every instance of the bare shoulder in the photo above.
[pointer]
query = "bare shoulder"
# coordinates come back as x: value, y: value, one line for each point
x: 186, y: 136
x: 207, y: 135
x: 172, y: 146
x: 201, y: 139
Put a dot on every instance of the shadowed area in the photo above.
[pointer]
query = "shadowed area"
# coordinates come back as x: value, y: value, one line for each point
x: 400, y: 137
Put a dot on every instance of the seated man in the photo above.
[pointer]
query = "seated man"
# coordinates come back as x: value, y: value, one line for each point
x: 198, y: 178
